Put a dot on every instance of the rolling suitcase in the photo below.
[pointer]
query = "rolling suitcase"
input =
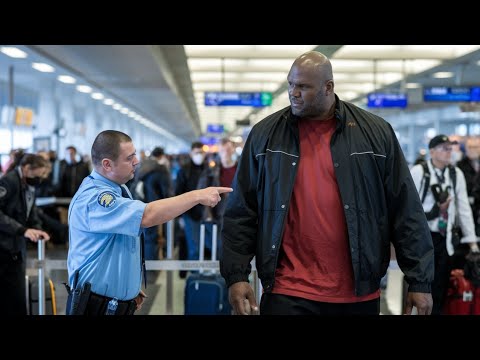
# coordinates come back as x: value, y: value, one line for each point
x: 32, y: 296
x: 460, y: 295
x: 206, y: 294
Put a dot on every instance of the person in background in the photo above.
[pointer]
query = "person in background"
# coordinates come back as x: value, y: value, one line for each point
x: 105, y: 261
x: 470, y: 166
x: 187, y: 180
x: 19, y: 222
x: 219, y: 173
x: 321, y: 189
x: 156, y: 184
x: 441, y: 208
x: 72, y: 172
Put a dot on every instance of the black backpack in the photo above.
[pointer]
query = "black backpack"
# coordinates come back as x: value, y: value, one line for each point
x: 426, y: 179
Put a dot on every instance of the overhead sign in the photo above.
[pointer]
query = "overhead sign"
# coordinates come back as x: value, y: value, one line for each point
x: 215, y: 128
x: 443, y: 93
x: 256, y: 99
x: 23, y: 116
x: 378, y: 100
x: 475, y: 94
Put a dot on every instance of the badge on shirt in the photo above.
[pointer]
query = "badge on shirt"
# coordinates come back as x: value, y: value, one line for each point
x: 107, y: 199
x: 3, y: 192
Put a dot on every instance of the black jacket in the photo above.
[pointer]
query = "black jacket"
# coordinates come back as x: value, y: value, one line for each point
x: 380, y: 200
x: 156, y: 179
x: 13, y: 214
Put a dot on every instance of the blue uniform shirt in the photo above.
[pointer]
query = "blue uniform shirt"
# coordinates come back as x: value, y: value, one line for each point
x: 104, y: 238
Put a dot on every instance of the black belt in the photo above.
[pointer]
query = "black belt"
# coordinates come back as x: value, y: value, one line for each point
x: 97, y: 305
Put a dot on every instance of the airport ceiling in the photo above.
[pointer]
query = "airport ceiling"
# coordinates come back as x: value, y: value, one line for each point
x: 164, y: 84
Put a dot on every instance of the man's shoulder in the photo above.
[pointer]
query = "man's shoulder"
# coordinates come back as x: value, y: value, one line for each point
x: 90, y: 190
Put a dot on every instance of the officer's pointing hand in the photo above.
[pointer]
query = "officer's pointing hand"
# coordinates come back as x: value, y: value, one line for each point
x: 211, y: 196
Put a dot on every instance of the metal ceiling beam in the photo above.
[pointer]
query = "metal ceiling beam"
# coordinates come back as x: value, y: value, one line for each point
x: 172, y: 62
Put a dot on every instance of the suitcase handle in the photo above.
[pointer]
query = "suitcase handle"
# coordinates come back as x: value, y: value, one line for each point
x: 202, y: 241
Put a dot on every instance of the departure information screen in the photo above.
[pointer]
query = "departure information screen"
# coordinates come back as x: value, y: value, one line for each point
x: 255, y: 99
x: 442, y: 93
x: 378, y: 100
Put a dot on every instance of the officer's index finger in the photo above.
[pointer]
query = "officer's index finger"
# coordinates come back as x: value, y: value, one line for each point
x: 222, y: 190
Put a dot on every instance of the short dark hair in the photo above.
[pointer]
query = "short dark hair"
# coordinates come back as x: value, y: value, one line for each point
x: 107, y: 145
x: 71, y: 147
x: 196, y: 145
x: 35, y: 161
x: 158, y: 151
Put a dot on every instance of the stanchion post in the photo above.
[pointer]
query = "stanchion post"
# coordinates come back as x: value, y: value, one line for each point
x: 41, y: 277
x: 170, y: 243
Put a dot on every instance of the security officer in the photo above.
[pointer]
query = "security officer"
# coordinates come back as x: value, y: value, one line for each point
x: 18, y: 222
x: 105, y: 224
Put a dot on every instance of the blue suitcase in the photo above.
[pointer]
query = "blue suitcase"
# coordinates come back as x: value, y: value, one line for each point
x: 206, y: 294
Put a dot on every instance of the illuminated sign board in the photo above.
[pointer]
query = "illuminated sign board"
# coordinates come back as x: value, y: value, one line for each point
x: 378, y: 100
x: 255, y: 99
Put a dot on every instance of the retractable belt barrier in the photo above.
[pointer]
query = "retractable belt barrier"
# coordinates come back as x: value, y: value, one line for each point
x: 45, y: 266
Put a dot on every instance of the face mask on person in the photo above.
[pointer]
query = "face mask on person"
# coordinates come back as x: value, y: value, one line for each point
x: 33, y: 181
x: 198, y: 159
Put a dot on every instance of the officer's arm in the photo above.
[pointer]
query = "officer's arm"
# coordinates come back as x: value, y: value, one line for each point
x: 161, y: 211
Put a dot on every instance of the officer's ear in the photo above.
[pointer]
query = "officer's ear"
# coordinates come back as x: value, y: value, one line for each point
x: 107, y: 164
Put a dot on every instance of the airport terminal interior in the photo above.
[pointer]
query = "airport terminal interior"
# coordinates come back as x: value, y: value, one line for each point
x: 55, y: 99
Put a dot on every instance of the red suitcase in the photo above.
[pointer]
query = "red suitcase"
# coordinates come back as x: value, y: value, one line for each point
x: 460, y: 295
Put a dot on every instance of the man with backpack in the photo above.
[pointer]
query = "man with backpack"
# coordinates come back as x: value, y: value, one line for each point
x: 443, y: 192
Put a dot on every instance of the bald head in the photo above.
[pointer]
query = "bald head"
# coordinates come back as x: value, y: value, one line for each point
x: 311, y: 86
x: 316, y: 62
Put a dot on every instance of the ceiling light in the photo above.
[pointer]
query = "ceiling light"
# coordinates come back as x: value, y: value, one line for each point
x: 108, y: 102
x: 66, y: 79
x: 117, y: 107
x: 84, y: 89
x: 413, y: 85
x: 97, y: 96
x: 13, y: 52
x: 443, y: 74
x: 43, y: 67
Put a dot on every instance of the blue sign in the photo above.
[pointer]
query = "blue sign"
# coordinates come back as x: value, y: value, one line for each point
x: 208, y: 140
x: 443, y: 93
x: 256, y: 99
x: 215, y: 128
x: 377, y: 100
x: 475, y: 94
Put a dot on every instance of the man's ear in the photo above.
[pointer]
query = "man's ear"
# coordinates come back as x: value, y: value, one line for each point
x: 107, y: 164
x: 330, y: 87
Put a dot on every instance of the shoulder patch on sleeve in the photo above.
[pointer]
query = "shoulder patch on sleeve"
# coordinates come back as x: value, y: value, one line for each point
x: 3, y: 192
x: 107, y: 199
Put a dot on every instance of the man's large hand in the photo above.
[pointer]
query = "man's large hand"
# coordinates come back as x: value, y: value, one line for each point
x: 422, y: 301
x: 242, y: 299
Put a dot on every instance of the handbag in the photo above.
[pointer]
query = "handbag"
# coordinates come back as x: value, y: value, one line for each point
x: 456, y: 235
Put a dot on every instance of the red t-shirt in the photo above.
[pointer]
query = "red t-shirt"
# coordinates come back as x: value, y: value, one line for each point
x: 315, y: 260
x: 227, y: 175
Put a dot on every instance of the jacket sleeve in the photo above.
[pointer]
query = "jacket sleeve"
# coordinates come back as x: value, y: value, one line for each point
x: 409, y: 231
x: 240, y: 221
x: 464, y: 210
x: 34, y: 219
x: 8, y: 224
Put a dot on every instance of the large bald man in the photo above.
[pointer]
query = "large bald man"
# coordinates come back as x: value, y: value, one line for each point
x: 321, y: 189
